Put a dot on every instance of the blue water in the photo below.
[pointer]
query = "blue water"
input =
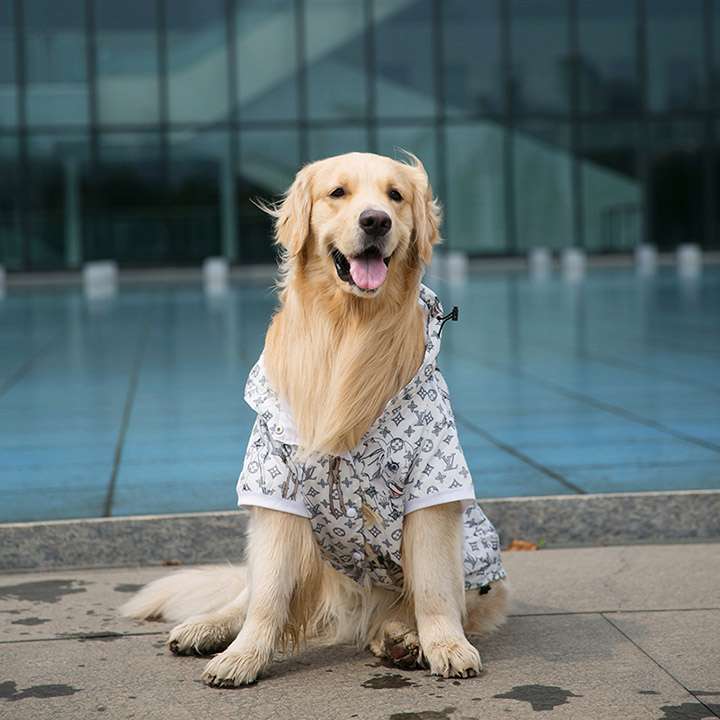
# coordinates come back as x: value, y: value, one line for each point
x: 134, y: 405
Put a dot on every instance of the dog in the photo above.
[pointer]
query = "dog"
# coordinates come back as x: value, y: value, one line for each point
x: 363, y: 526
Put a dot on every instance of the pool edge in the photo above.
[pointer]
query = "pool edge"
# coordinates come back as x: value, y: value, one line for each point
x: 553, y: 521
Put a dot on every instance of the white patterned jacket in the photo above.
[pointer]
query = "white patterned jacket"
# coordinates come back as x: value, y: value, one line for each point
x: 409, y: 459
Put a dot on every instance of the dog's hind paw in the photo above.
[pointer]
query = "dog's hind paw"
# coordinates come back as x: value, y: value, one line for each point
x: 400, y: 645
x: 199, y: 638
x: 454, y: 657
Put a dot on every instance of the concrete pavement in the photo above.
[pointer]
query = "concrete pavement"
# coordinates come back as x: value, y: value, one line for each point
x: 617, y: 632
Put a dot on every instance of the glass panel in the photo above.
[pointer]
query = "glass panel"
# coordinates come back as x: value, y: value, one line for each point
x: 57, y: 167
x: 335, y: 53
x: 405, y: 84
x: 675, y: 55
x: 126, y: 214
x: 475, y: 204
x: 676, y: 183
x: 8, y: 94
x: 10, y: 226
x: 607, y: 64
x: 197, y: 61
x: 611, y: 186
x: 268, y: 163
x: 336, y: 141
x: 199, y: 165
x: 127, y: 61
x: 472, y: 63
x: 543, y: 188
x: 715, y: 59
x: 57, y: 91
x: 267, y: 81
x: 419, y: 140
x: 540, y: 58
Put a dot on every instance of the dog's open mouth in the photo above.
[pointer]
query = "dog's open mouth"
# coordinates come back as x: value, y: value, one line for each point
x: 366, y: 271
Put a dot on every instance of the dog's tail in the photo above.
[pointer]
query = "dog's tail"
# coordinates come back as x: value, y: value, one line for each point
x: 178, y: 596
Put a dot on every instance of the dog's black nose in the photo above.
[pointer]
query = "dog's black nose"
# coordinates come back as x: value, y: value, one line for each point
x: 375, y: 222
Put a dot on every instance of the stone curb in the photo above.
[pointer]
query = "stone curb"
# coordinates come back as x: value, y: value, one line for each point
x: 554, y: 521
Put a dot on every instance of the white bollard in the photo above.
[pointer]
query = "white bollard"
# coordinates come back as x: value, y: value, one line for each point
x: 2, y: 282
x: 689, y: 260
x: 216, y: 273
x: 438, y: 265
x: 573, y: 263
x: 456, y: 266
x: 646, y: 259
x: 100, y: 279
x: 539, y: 262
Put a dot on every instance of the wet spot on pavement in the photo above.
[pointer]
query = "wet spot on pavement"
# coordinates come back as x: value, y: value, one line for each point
x: 127, y: 588
x: 388, y: 681
x: 648, y: 692
x: 46, y: 591
x: 540, y: 697
x: 424, y: 715
x: 30, y: 621
x: 85, y: 637
x: 9, y: 691
x: 690, y: 711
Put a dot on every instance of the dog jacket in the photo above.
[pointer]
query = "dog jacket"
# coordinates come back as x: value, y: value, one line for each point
x: 409, y: 459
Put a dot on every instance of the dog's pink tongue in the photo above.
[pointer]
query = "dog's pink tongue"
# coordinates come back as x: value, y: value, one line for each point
x: 368, y: 273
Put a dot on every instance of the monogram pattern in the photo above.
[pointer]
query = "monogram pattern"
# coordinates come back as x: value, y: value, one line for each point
x: 410, y: 458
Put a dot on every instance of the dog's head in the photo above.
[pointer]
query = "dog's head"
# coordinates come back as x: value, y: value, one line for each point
x: 363, y: 217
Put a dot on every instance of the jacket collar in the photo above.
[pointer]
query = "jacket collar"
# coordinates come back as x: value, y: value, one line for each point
x: 261, y: 397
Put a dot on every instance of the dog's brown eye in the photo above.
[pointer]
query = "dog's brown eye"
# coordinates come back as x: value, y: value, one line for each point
x: 337, y: 192
x: 395, y: 195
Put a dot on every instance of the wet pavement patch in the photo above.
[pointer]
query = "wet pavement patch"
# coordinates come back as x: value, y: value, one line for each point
x: 690, y: 711
x: 388, y: 681
x: 47, y: 591
x: 85, y: 637
x: 540, y: 697
x: 127, y: 588
x: 9, y: 691
x: 648, y: 692
x: 424, y: 715
x: 30, y: 621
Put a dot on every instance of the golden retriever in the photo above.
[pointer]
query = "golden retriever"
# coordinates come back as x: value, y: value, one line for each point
x: 356, y: 232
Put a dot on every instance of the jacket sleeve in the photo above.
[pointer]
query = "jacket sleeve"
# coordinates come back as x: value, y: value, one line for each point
x: 439, y: 473
x: 270, y: 476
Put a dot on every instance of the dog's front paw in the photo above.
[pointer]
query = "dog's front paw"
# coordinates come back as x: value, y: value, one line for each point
x: 234, y: 668
x: 452, y: 657
x: 199, y: 638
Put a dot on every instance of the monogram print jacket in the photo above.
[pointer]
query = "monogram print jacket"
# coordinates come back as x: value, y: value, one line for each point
x: 409, y: 459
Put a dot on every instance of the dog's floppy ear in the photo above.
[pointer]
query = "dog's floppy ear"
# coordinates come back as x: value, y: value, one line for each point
x: 427, y: 214
x: 292, y: 217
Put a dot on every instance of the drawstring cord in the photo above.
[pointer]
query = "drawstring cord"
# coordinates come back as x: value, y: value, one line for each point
x: 453, y: 315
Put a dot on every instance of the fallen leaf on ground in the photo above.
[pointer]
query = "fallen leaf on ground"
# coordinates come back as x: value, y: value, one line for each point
x: 522, y: 545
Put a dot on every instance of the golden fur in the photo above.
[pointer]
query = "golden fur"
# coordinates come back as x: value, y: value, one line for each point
x: 337, y: 358
x: 337, y: 354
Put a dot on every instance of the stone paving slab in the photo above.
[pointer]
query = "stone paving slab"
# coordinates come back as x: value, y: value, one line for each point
x: 686, y: 644
x: 596, y: 633
x: 565, y: 666
x: 71, y: 602
x: 632, y: 577
x: 625, y: 578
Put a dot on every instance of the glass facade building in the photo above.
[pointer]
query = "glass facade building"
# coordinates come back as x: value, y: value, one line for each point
x: 141, y: 130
